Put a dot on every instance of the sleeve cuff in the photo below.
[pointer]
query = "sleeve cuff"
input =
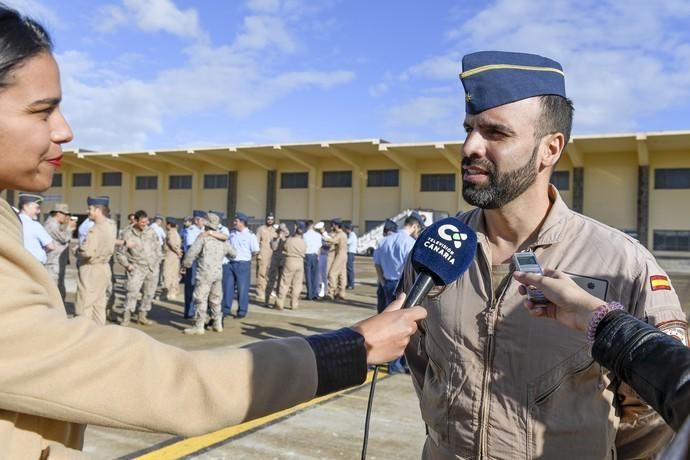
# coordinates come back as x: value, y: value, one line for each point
x: 341, y: 359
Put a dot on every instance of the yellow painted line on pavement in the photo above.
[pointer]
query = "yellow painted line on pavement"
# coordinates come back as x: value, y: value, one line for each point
x: 188, y: 446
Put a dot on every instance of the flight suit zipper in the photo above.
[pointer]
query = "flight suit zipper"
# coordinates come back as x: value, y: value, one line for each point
x: 491, y: 319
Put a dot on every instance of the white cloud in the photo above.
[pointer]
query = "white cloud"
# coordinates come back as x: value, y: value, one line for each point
x: 152, y: 16
x: 378, y: 89
x: 264, y: 31
x: 623, y: 60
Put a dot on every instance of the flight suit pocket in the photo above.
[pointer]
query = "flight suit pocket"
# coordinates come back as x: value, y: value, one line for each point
x: 568, y: 413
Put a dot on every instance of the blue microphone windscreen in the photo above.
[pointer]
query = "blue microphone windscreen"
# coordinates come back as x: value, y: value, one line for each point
x: 444, y: 250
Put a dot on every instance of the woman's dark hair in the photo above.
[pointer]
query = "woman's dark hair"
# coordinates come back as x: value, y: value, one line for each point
x: 21, y: 38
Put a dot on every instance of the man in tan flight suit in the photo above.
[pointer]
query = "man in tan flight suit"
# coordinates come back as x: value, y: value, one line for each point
x: 494, y: 382
x: 94, y: 262
x: 293, y: 268
x: 264, y: 235
x: 141, y: 258
x: 337, y: 261
x: 60, y: 227
x: 172, y: 251
x: 209, y: 250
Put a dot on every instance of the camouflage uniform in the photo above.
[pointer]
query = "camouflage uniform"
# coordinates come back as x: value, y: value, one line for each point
x: 277, y: 260
x: 209, y: 253
x: 58, y: 258
x: 171, y: 263
x: 143, y: 253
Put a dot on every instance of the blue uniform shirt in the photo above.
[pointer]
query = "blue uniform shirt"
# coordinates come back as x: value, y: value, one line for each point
x: 35, y: 237
x: 313, y: 240
x: 392, y: 253
x: 244, y: 243
x: 191, y: 235
x: 84, y: 229
x: 352, y: 242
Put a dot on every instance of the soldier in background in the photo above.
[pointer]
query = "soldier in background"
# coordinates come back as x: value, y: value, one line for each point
x: 389, y: 228
x: 264, y: 235
x: 291, y: 279
x: 312, y: 238
x: 60, y: 227
x: 190, y: 234
x: 351, y: 253
x: 337, y: 262
x: 209, y: 251
x: 141, y: 258
x: 94, y: 262
x: 275, y: 268
x: 172, y: 252
x: 323, y: 259
x: 36, y: 239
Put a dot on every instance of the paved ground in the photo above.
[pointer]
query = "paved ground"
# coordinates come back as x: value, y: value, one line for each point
x: 327, y: 429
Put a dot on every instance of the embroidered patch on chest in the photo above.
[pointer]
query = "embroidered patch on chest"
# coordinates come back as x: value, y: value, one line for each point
x: 660, y: 282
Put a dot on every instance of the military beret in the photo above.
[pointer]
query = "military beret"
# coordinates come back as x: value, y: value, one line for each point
x: 98, y: 200
x: 199, y: 213
x: 171, y: 220
x: 494, y: 78
x: 25, y: 198
x: 390, y: 226
x: 241, y: 216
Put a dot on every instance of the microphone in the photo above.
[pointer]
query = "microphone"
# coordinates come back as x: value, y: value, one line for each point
x: 441, y: 254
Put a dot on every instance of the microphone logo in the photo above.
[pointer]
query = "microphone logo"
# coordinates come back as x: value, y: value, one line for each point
x: 450, y: 232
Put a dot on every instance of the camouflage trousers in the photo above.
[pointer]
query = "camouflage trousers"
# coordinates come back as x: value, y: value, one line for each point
x: 207, y: 292
x: 144, y: 280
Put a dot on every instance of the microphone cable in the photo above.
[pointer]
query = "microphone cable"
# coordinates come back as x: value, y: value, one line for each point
x: 370, y: 403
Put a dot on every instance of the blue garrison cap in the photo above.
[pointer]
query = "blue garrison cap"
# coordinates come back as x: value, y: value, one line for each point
x: 25, y: 198
x: 171, y: 220
x: 390, y: 226
x: 97, y: 200
x: 241, y: 216
x: 299, y: 225
x: 337, y: 221
x: 493, y: 78
x: 199, y: 213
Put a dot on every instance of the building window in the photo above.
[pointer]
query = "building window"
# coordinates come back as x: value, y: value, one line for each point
x: 369, y: 225
x: 81, y: 180
x: 671, y: 240
x: 180, y: 182
x: 111, y: 179
x: 57, y: 180
x: 561, y: 180
x: 337, y: 179
x: 215, y: 181
x: 438, y: 182
x: 672, y: 178
x: 383, y: 178
x: 146, y: 182
x: 294, y: 180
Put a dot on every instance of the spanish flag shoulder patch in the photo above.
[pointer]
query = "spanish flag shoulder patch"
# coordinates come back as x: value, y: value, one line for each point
x: 660, y: 282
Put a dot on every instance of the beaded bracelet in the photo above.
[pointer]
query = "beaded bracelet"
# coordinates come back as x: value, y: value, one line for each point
x: 598, y: 315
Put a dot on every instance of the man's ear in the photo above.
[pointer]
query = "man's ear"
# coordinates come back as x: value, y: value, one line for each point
x: 553, y: 149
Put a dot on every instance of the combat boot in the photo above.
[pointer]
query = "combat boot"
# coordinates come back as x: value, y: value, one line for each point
x: 143, y: 319
x: 218, y: 325
x: 197, y: 329
x: 126, y: 317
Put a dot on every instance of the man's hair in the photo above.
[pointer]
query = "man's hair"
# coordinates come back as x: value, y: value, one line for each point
x: 556, y: 116
x: 140, y: 214
x: 105, y: 210
x: 308, y: 223
x: 411, y: 220
x: 130, y: 215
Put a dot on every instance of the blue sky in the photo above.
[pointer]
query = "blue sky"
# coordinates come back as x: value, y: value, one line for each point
x: 180, y: 73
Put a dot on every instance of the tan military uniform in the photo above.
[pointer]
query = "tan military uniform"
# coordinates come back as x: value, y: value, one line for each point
x: 57, y: 259
x: 171, y: 263
x: 56, y: 369
x: 264, y: 236
x: 94, y: 271
x: 276, y: 266
x: 293, y: 272
x: 144, y: 256
x: 337, y: 265
x: 494, y: 382
x: 209, y: 253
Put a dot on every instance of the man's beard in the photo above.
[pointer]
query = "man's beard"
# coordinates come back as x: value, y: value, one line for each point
x: 502, y: 188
